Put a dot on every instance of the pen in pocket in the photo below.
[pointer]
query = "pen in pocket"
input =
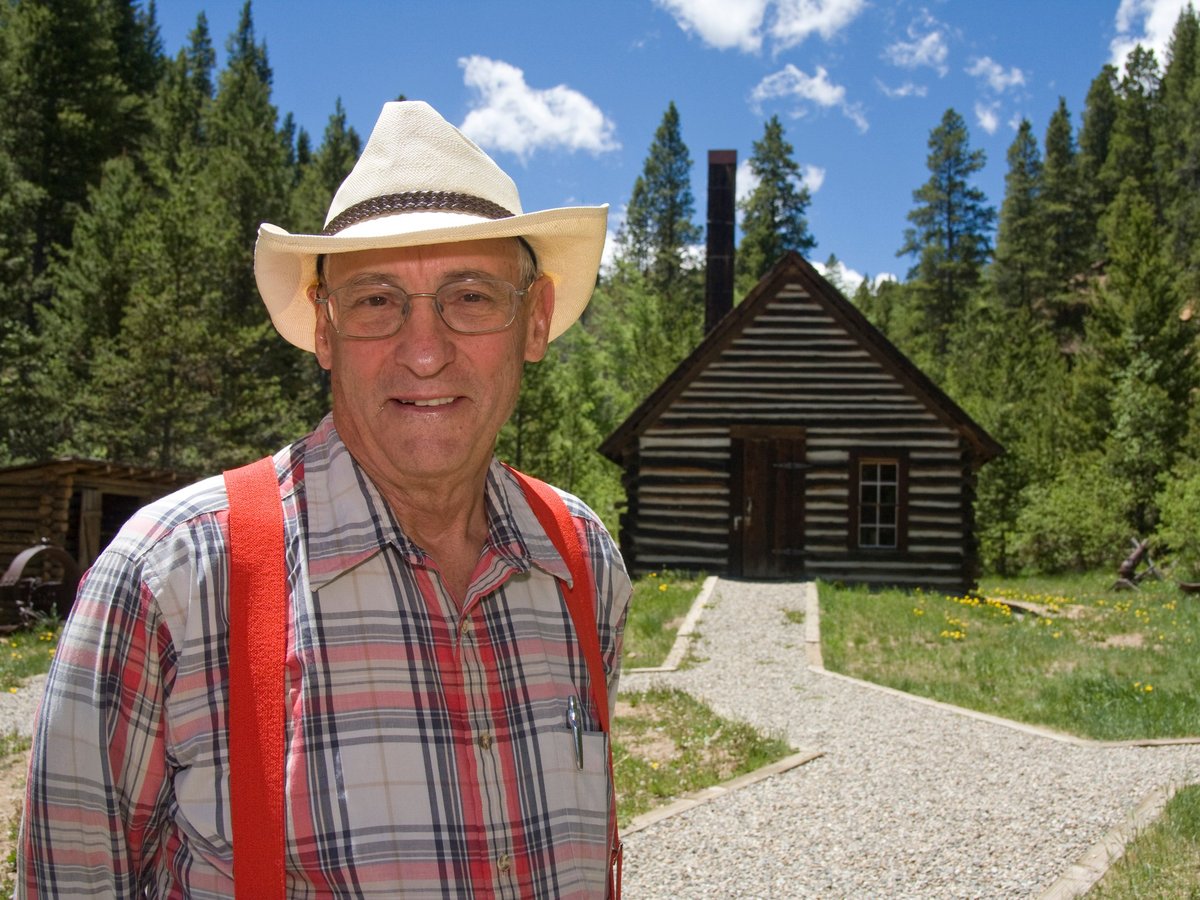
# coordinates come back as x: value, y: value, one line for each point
x: 575, y: 721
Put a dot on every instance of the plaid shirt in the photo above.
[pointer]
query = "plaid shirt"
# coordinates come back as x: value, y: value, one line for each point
x: 428, y: 751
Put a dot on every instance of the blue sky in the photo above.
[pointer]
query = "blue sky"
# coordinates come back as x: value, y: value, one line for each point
x: 566, y: 94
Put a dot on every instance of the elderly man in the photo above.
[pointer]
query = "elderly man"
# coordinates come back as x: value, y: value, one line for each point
x: 439, y: 730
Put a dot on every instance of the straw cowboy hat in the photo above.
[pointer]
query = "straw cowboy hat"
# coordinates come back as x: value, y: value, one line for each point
x: 420, y: 181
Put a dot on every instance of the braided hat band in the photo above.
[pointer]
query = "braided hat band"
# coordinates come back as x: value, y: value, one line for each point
x: 415, y: 201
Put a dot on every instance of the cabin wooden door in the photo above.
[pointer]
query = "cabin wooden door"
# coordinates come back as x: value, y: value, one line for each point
x: 767, y: 502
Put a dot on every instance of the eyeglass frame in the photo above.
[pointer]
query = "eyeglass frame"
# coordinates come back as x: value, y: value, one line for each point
x: 516, y: 295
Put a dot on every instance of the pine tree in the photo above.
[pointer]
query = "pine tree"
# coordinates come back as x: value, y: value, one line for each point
x: 185, y: 370
x: 1147, y: 348
x: 629, y: 318
x: 65, y: 109
x: 93, y: 290
x: 321, y: 173
x: 774, y: 214
x: 1178, y: 143
x: 1019, y: 271
x: 136, y: 301
x: 1006, y: 371
x: 1099, y: 117
x: 659, y: 232
x: 950, y: 233
x: 656, y: 248
x: 247, y: 162
x: 557, y: 425
x: 180, y: 105
x: 1065, y: 221
x: 1131, y: 148
x: 72, y: 81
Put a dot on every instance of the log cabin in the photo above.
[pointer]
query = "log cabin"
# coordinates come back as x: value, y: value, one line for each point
x: 797, y: 442
x: 75, y: 504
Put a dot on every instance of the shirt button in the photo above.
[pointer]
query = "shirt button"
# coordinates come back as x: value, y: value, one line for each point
x: 485, y: 740
x: 504, y: 863
x: 464, y: 627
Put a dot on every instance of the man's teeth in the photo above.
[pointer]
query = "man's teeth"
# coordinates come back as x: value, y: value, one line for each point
x: 440, y: 401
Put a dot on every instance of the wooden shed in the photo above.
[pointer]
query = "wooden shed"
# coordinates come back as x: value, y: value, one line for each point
x: 75, y: 504
x: 797, y: 442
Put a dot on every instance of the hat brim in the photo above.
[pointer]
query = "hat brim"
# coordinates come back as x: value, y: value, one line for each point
x: 568, y: 243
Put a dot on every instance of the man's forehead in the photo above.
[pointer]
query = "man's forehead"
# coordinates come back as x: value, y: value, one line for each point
x: 495, y: 254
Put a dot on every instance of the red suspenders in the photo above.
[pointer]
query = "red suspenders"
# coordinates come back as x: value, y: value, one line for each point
x: 258, y: 628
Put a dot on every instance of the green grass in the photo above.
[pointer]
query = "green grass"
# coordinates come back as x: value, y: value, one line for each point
x: 11, y: 745
x: 1163, y: 861
x: 26, y: 653
x: 1091, y: 661
x: 667, y: 744
x: 660, y: 602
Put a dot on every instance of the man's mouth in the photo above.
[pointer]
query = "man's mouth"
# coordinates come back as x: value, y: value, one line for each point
x: 437, y: 401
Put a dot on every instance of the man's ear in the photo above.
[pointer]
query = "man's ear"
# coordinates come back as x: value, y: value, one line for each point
x: 321, y: 331
x: 537, y: 324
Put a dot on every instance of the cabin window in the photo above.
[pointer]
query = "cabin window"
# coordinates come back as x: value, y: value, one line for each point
x: 878, y: 503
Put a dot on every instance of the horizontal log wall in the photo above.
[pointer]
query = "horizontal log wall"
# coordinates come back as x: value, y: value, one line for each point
x: 43, y: 502
x: 29, y: 513
x: 796, y: 366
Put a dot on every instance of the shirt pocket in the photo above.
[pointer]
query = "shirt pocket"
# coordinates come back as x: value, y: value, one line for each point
x: 578, y: 794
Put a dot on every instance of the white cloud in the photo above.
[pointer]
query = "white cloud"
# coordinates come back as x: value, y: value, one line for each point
x: 795, y: 20
x: 747, y: 181
x: 849, y: 279
x: 510, y: 115
x: 926, y: 47
x: 908, y: 89
x: 739, y: 24
x: 616, y: 221
x: 812, y: 177
x: 1145, y: 22
x: 993, y: 73
x: 793, y: 84
x: 608, y: 256
x: 840, y: 276
x: 988, y: 116
x: 724, y: 24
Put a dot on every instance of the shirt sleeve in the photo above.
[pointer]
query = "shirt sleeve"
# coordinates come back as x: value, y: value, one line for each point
x: 613, y: 592
x: 97, y: 788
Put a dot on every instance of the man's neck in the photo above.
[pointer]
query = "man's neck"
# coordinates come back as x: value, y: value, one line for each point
x: 448, y: 521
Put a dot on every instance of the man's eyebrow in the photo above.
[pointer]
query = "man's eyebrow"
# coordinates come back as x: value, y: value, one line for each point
x: 469, y: 273
x: 452, y: 275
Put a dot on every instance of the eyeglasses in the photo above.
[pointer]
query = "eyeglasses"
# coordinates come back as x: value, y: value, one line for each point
x: 470, y: 306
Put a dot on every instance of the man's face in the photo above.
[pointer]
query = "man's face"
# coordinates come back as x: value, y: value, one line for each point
x: 426, y: 404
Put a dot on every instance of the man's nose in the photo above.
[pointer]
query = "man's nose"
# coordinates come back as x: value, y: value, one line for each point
x: 426, y: 343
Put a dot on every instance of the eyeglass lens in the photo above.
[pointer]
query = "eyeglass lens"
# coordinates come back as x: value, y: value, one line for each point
x: 475, y: 306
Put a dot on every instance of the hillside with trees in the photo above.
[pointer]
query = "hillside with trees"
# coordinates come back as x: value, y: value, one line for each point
x: 1061, y: 318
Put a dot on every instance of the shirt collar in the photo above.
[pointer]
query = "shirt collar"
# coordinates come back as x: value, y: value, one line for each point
x: 349, y: 521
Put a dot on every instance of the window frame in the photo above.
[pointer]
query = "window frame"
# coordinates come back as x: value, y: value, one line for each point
x: 870, y: 456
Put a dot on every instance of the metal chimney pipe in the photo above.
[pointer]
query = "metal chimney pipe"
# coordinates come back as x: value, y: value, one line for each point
x: 722, y: 193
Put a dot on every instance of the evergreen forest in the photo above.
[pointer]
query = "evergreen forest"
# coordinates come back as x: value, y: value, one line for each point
x: 1060, y: 318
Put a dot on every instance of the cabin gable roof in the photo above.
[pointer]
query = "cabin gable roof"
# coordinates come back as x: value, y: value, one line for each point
x: 793, y: 270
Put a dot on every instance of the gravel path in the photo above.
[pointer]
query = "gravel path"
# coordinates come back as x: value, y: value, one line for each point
x: 17, y: 710
x: 908, y: 800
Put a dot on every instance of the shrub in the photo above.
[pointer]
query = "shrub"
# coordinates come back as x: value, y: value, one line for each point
x: 1179, y: 518
x: 1075, y: 522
